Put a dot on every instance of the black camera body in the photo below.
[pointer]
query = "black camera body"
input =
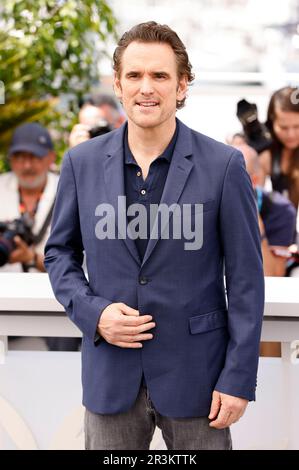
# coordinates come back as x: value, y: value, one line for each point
x: 8, y: 230
x: 256, y: 133
x: 102, y: 127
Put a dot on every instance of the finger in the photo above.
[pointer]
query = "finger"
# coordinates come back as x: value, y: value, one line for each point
x: 16, y: 252
x: 231, y: 420
x: 222, y: 420
x: 80, y: 128
x: 129, y: 330
x: 136, y: 321
x: 128, y: 345
x: 215, y: 405
x: 80, y: 133
x: 126, y: 310
x: 81, y: 138
x: 18, y: 241
x: 239, y: 415
x: 15, y: 255
x: 134, y: 338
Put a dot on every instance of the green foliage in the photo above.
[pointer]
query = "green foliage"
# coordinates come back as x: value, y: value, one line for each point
x: 49, y: 49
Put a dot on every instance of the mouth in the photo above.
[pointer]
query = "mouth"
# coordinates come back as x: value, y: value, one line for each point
x: 147, y: 104
x: 292, y: 143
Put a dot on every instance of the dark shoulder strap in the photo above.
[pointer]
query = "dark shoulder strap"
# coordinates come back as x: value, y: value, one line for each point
x: 40, y: 235
x: 38, y: 238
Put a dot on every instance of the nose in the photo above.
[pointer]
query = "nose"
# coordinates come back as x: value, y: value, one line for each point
x: 146, y: 87
x: 291, y: 133
x: 27, y: 163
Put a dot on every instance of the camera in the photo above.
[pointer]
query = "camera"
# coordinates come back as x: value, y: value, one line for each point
x: 8, y: 230
x: 100, y: 128
x: 256, y: 133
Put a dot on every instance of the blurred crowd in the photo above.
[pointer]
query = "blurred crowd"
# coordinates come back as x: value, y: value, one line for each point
x: 271, y: 153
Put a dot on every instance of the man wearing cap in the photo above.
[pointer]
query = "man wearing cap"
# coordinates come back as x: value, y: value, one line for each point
x: 29, y: 189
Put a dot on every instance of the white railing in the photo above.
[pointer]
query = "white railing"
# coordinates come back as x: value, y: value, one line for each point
x: 28, y: 308
x: 40, y: 391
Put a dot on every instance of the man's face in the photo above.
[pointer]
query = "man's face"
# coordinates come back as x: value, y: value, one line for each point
x: 148, y: 85
x: 286, y: 128
x: 30, y: 170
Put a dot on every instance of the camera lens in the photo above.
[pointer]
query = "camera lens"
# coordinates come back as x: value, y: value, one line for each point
x: 5, y: 250
x: 6, y: 246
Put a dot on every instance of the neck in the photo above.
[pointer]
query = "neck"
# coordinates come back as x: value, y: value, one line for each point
x: 287, y: 153
x: 150, y: 142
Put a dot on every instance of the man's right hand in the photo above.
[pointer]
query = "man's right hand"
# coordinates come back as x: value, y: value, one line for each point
x: 123, y: 326
x: 78, y: 135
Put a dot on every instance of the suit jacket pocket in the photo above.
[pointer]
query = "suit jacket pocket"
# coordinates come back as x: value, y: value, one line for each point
x: 208, y: 321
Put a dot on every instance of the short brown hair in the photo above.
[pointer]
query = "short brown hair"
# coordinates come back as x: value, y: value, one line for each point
x: 154, y: 32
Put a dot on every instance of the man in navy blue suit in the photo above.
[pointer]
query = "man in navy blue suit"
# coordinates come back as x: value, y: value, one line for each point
x: 161, y: 212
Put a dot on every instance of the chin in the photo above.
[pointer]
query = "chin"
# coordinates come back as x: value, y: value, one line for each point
x: 32, y: 183
x: 292, y: 146
x: 146, y: 122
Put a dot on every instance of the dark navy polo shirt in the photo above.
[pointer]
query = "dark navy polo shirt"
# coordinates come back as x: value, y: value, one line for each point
x: 149, y: 191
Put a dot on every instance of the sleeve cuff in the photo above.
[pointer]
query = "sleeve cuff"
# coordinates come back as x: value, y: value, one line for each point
x: 97, y: 337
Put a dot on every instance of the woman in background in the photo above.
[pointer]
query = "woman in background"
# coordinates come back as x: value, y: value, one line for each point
x: 281, y: 161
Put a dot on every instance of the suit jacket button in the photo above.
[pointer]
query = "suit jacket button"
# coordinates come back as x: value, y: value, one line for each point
x: 143, y: 281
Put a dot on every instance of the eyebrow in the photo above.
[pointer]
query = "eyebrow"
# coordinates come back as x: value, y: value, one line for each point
x: 156, y: 72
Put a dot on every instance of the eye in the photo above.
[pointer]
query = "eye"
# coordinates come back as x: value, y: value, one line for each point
x: 132, y: 75
x: 160, y: 75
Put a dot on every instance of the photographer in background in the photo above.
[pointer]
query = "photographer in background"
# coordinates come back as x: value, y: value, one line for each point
x: 277, y: 217
x: 277, y: 143
x: 27, y: 196
x: 281, y: 160
x: 277, y: 221
x: 98, y: 115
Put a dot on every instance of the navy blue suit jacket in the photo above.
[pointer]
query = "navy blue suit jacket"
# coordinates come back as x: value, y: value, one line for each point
x: 201, y: 341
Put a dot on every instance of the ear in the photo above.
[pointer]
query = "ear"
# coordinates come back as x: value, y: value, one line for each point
x: 117, y: 86
x: 50, y: 158
x: 182, y: 88
x: 254, y: 180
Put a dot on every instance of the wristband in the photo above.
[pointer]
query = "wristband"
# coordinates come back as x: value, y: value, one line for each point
x: 32, y: 264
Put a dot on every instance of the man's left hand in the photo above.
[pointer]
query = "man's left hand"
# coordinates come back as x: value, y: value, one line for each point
x: 22, y: 253
x: 226, y: 410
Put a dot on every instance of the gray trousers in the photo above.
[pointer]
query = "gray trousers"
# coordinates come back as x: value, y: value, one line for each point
x: 134, y: 429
